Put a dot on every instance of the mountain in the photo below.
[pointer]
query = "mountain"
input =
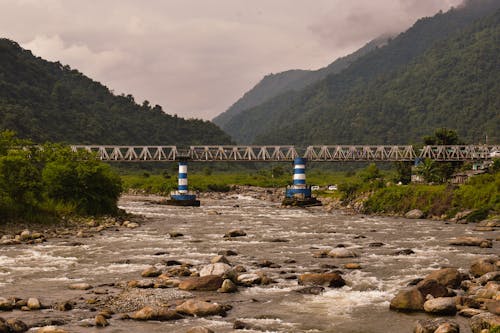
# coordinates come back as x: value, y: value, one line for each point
x: 273, y: 85
x: 46, y: 101
x: 380, y: 98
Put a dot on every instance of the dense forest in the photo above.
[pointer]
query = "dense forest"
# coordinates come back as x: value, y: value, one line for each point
x: 46, y: 101
x: 273, y: 85
x: 442, y: 72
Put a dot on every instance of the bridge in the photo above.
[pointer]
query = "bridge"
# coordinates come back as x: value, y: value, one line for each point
x: 339, y: 153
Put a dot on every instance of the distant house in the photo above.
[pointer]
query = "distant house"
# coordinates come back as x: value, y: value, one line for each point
x: 462, y: 177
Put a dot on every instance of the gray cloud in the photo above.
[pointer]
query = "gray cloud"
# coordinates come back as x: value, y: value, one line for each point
x: 195, y: 58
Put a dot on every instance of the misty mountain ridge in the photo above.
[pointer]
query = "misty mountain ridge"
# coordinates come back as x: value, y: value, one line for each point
x: 330, y: 110
x: 46, y: 101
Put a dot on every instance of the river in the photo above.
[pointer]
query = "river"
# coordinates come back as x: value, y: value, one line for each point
x: 286, y: 237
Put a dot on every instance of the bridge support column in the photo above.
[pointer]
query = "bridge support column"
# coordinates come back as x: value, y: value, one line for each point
x: 182, y: 197
x: 299, y: 194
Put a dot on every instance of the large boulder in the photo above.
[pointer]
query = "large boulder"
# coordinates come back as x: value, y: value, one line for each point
x: 440, y: 325
x: 155, y: 313
x: 249, y: 279
x: 448, y: 277
x: 228, y: 286
x: 441, y: 306
x: 33, y: 304
x: 322, y: 279
x: 200, y: 308
x: 203, y: 283
x: 414, y: 214
x: 16, y: 326
x: 218, y: 269
x: 482, y: 266
x: 484, y: 321
x: 431, y: 287
x: 407, y: 300
x: 151, y: 272
x: 6, y: 304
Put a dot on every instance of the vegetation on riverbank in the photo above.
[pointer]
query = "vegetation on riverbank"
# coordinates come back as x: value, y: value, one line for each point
x: 39, y: 183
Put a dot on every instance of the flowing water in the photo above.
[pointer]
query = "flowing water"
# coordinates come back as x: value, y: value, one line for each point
x: 46, y: 269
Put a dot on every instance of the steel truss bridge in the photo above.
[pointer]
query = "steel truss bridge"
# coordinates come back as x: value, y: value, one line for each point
x: 341, y: 153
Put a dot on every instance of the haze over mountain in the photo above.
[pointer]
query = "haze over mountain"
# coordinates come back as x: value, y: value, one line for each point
x: 442, y: 72
x: 43, y: 100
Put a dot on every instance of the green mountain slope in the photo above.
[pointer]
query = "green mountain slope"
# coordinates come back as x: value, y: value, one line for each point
x: 322, y: 112
x: 273, y: 85
x: 44, y: 100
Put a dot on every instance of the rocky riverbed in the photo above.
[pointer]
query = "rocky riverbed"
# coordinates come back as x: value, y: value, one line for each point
x: 242, y: 262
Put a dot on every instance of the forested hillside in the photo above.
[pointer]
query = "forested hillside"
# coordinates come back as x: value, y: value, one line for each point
x: 273, y: 85
x: 443, y: 71
x: 43, y: 100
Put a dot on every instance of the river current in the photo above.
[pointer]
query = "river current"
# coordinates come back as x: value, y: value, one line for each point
x: 286, y: 237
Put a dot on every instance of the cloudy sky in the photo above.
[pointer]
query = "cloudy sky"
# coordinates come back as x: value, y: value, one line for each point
x: 197, y: 57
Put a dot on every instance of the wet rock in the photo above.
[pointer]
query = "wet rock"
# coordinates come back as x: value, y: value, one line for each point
x: 228, y: 286
x: 33, y: 304
x: 51, y: 329
x: 376, y: 244
x: 199, y: 329
x: 3, y: 326
x: 6, y: 304
x: 267, y: 263
x: 143, y: 284
x: 313, y: 290
x: 352, y: 265
x: 441, y: 306
x: 471, y: 241
x: 482, y: 266
x: 290, y: 261
x: 482, y: 321
x: 63, y: 306
x: 468, y: 312
x: 220, y: 259
x: 490, y: 290
x: 16, y: 326
x: 100, y: 321
x: 175, y: 234
x: 342, y: 253
x: 25, y: 235
x: 218, y: 269
x: 414, y: 214
x: 249, y: 279
x: 333, y: 280
x: 227, y: 253
x: 493, y: 307
x: 179, y: 271
x: 432, y: 325
x: 80, y: 286
x: 431, y: 287
x: 277, y: 240
x: 488, y: 277
x: 408, y: 299
x: 241, y: 325
x: 166, y: 282
x: 160, y: 253
x: 448, y: 277
x: 235, y: 233
x: 151, y: 272
x: 155, y: 313
x: 131, y: 225
x: 467, y: 302
x: 204, y: 283
x: 172, y: 262
x: 200, y: 308
x: 320, y: 254
x: 404, y: 252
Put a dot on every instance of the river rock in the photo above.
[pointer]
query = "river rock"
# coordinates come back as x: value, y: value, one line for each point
x: 131, y: 225
x: 404, y: 252
x: 414, y: 214
x: 448, y: 277
x: 433, y: 325
x: 33, y: 304
x: 175, y: 234
x: 482, y: 321
x: 228, y: 286
x: 200, y: 308
x: 441, y: 306
x: 322, y: 279
x: 342, y: 253
x: 431, y: 287
x: 199, y: 329
x: 468, y: 312
x: 142, y: 284
x: 6, y: 304
x: 235, y: 233
x: 155, y: 313
x: 16, y: 326
x: 25, y: 235
x: 218, y: 269
x: 352, y: 265
x: 51, y: 329
x: 491, y: 276
x: 227, y: 253
x: 151, y: 272
x: 490, y: 290
x: 219, y: 259
x: 482, y: 266
x: 408, y: 299
x: 471, y: 241
x: 493, y: 306
x: 203, y: 283
x: 80, y: 286
x: 100, y: 321
x: 249, y: 279
x: 312, y: 290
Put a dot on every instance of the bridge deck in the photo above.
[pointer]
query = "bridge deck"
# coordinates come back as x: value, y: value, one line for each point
x: 341, y: 153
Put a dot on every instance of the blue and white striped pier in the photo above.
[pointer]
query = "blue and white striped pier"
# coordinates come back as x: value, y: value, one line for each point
x: 299, y: 194
x: 182, y: 197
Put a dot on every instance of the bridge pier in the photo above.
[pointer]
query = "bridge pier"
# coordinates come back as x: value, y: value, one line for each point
x: 299, y: 194
x: 181, y: 197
